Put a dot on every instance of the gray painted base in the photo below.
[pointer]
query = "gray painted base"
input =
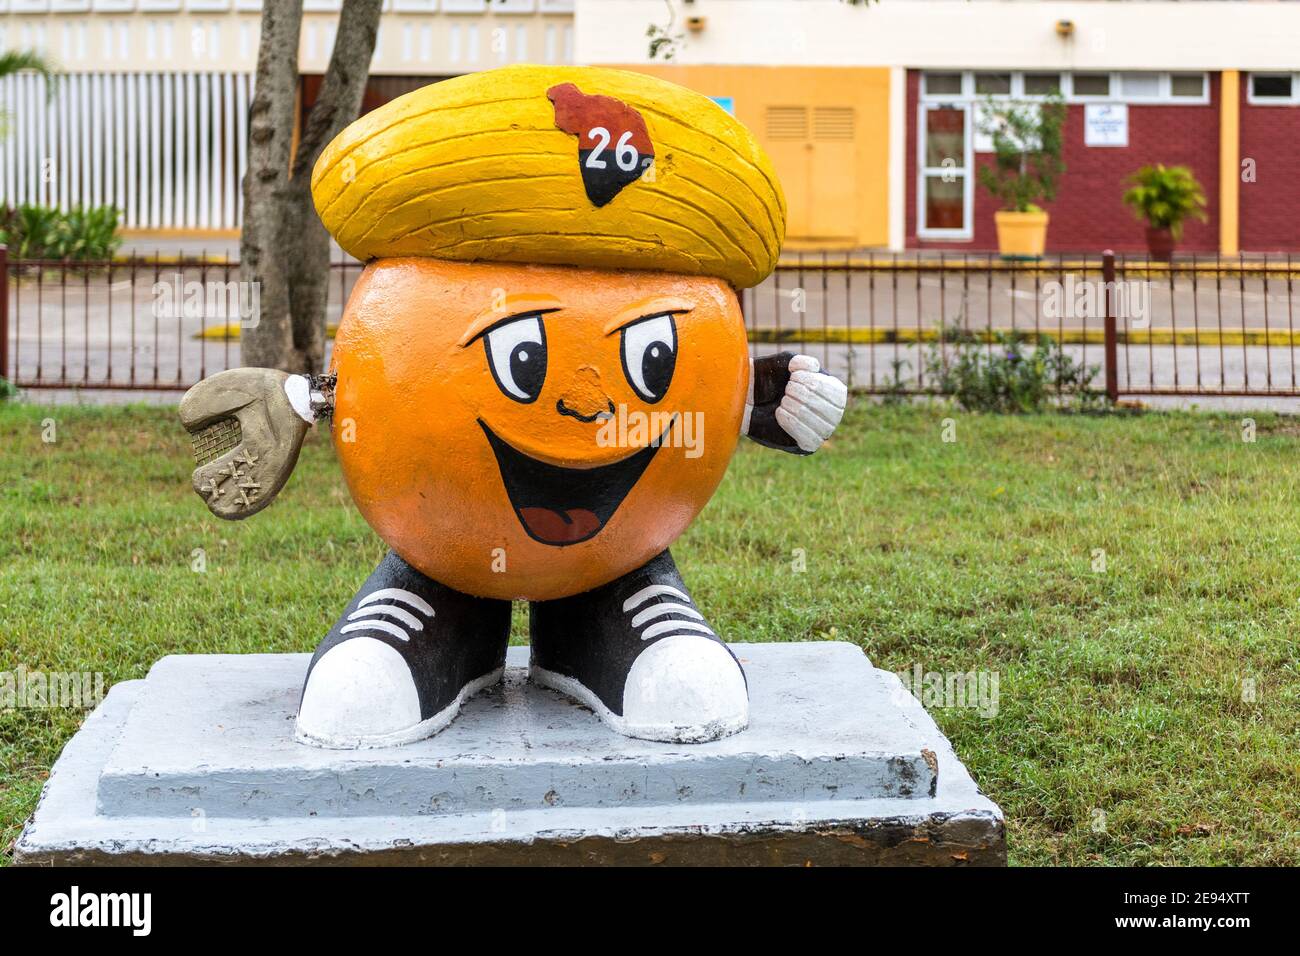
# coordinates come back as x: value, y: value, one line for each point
x: 196, y: 763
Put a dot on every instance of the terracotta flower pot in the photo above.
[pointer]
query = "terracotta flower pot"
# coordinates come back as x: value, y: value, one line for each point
x: 1160, y: 243
x: 1021, y: 235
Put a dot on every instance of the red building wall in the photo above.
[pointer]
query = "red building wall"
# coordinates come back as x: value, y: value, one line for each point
x: 1087, y: 214
x: 1270, y: 206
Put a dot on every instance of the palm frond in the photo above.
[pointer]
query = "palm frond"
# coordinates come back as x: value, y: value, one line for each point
x: 15, y: 61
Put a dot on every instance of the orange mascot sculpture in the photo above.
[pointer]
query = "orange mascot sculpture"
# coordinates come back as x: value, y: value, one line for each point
x: 537, y: 384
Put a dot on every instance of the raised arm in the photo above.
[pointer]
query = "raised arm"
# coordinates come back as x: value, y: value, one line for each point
x: 792, y: 404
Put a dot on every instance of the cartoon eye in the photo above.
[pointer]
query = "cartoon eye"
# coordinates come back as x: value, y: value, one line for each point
x: 516, y: 354
x: 650, y: 355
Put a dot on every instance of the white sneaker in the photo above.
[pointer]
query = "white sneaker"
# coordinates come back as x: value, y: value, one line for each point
x: 400, y: 662
x: 638, y: 653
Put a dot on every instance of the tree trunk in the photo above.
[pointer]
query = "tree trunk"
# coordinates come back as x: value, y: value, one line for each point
x: 283, y: 246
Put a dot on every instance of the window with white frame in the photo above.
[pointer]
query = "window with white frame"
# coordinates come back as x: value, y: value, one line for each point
x: 944, y: 200
x: 1187, y: 86
x: 1139, y: 86
x: 1080, y: 86
x: 1041, y: 84
x: 992, y: 84
x: 1273, y: 89
x: 943, y: 84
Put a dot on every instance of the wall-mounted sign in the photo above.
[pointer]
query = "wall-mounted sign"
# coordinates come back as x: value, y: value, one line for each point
x: 726, y: 103
x: 1105, y: 124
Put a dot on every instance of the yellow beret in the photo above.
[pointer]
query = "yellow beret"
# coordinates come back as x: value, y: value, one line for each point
x: 557, y: 166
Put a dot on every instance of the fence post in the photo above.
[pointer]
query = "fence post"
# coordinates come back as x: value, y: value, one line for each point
x: 4, y: 311
x: 1112, y: 362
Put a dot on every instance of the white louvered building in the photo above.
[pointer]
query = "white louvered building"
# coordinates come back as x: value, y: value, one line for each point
x: 150, y: 114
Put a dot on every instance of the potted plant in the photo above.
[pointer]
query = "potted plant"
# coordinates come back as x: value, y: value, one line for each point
x: 1163, y: 196
x: 1025, y: 169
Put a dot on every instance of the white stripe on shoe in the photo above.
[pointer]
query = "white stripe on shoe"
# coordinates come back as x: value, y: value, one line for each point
x: 654, y: 590
x: 392, y: 610
x: 675, y: 627
x: 386, y: 626
x: 667, y: 607
x: 397, y: 594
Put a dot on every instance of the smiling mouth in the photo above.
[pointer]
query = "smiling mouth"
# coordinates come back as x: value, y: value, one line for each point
x: 563, y: 506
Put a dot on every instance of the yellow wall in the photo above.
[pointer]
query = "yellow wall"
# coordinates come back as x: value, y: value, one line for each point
x: 837, y: 189
x: 1229, y: 161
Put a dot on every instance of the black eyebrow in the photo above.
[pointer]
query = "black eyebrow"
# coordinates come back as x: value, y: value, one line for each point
x: 650, y: 315
x: 530, y: 313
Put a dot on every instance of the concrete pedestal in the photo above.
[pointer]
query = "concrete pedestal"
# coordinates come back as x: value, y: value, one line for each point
x: 196, y: 763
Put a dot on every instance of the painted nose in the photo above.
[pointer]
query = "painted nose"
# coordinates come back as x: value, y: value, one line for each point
x: 584, y: 399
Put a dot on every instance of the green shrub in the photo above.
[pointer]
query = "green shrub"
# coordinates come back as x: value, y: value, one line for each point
x: 7, y: 389
x: 999, y: 374
x: 39, y: 232
x: 896, y: 392
x: 1164, y: 196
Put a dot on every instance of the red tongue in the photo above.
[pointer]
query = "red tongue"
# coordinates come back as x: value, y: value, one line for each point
x: 555, y: 527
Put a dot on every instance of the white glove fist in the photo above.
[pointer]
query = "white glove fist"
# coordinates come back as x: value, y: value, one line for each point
x: 792, y: 404
x: 813, y: 403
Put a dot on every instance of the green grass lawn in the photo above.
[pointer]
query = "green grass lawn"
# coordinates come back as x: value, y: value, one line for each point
x: 1122, y: 734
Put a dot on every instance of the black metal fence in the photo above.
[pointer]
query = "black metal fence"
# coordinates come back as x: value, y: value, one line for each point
x: 135, y: 322
x: 1198, y: 326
